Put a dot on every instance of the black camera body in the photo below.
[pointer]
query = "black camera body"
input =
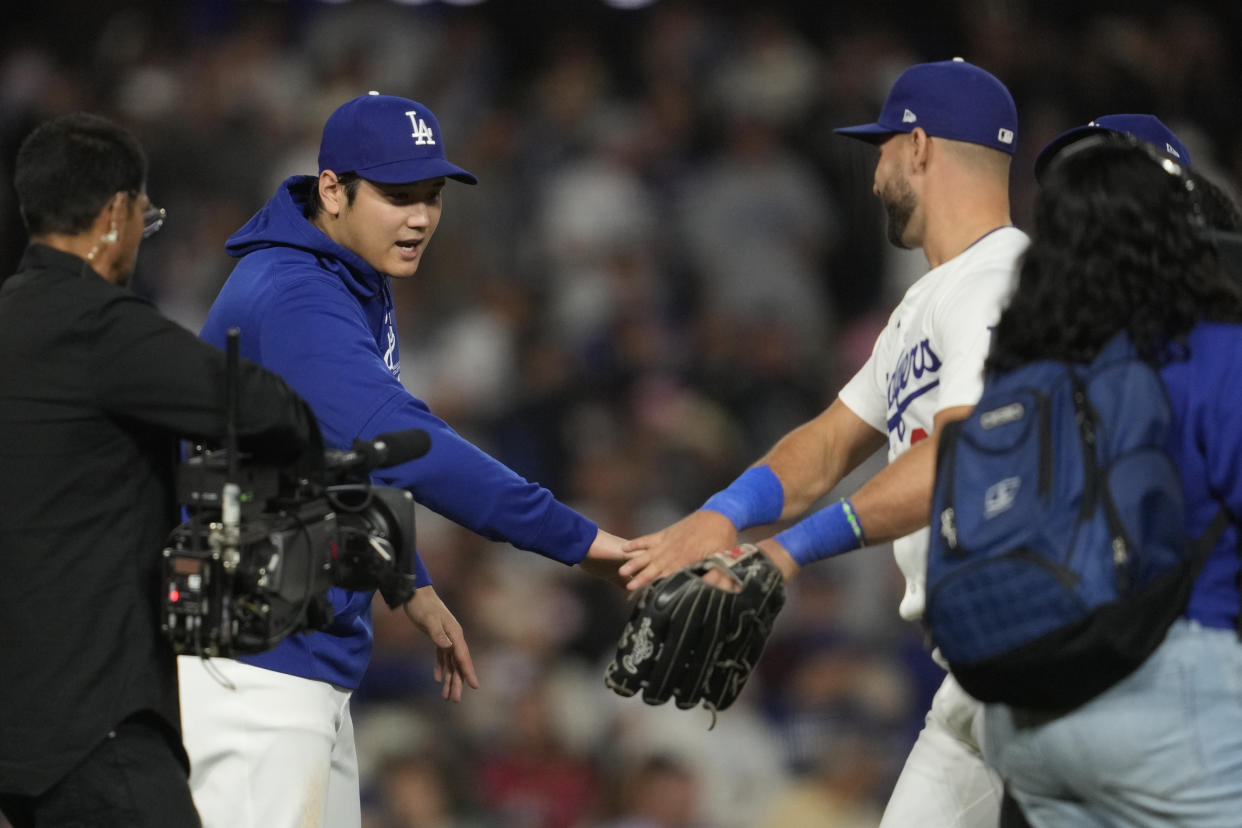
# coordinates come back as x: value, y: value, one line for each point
x: 263, y: 545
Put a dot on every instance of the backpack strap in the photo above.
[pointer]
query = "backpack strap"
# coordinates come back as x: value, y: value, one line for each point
x: 1200, y: 548
x: 1095, y: 493
x: 945, y: 523
x: 1202, y: 545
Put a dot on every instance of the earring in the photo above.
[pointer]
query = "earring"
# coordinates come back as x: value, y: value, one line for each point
x: 110, y: 236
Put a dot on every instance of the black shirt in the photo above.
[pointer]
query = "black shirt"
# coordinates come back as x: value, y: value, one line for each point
x: 96, y: 388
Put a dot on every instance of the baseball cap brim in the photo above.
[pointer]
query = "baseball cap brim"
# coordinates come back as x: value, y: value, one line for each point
x: 416, y: 169
x: 409, y: 170
x: 871, y: 133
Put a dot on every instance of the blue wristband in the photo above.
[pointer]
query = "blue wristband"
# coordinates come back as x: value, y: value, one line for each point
x: 830, y: 531
x: 756, y: 497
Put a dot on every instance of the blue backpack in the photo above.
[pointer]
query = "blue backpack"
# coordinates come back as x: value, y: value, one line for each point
x: 1057, y: 556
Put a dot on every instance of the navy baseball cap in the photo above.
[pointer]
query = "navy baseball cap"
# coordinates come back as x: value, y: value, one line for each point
x: 1146, y: 128
x: 948, y: 99
x: 388, y: 140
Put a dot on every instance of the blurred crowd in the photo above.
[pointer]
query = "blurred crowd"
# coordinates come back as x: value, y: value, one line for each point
x: 669, y: 262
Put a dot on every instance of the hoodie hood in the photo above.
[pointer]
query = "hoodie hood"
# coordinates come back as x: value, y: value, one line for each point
x: 281, y: 224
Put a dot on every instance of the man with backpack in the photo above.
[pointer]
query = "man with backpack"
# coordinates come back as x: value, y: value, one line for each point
x: 1122, y: 245
x: 944, y: 142
x: 1058, y: 558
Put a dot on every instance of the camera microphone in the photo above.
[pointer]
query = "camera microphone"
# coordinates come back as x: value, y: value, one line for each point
x: 390, y: 449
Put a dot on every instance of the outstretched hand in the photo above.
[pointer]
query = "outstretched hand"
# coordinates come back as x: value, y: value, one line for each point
x: 687, y: 541
x: 605, y: 557
x: 453, y: 669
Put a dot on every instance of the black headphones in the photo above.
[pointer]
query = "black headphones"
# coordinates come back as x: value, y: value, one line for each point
x: 1124, y: 140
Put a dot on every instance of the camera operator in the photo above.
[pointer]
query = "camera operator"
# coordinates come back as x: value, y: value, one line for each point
x: 96, y: 388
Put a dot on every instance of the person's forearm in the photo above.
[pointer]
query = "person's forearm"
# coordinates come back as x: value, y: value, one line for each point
x: 463, y: 483
x: 892, y: 504
x: 813, y: 458
x: 897, y: 500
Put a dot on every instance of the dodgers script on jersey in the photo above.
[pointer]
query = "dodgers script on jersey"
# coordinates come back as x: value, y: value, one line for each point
x: 930, y: 357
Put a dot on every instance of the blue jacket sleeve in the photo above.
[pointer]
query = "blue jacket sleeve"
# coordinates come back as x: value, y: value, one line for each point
x: 1207, y: 447
x: 1217, y: 420
x: 317, y: 338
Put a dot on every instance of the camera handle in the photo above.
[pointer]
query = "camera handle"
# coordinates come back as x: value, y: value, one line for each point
x: 228, y: 540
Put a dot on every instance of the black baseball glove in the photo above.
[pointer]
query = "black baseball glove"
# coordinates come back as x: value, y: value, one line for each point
x: 694, y: 642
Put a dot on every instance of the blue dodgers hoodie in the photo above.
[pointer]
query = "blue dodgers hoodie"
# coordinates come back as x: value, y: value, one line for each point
x: 322, y: 318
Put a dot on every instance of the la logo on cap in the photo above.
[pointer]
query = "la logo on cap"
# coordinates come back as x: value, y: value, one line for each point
x: 422, y: 134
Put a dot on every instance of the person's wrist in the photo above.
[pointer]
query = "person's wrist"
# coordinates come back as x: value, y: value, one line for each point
x: 781, y: 558
x: 420, y: 593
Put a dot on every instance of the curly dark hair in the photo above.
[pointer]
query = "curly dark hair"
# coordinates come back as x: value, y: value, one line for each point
x: 1119, y: 242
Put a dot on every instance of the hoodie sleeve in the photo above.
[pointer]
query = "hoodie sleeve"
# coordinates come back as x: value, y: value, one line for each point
x: 317, y: 338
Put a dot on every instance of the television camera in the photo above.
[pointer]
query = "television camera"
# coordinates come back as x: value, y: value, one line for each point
x: 263, y: 544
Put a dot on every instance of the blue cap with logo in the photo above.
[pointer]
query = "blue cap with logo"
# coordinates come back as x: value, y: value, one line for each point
x: 949, y: 99
x: 1144, y: 127
x: 388, y: 140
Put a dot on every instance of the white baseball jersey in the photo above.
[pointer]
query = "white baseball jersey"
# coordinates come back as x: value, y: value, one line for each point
x: 930, y: 357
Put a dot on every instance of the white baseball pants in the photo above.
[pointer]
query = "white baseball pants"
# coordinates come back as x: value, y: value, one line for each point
x: 945, y: 783
x: 267, y: 750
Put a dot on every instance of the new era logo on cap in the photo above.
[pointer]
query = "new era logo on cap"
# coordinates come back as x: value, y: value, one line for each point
x: 947, y: 99
x: 388, y: 140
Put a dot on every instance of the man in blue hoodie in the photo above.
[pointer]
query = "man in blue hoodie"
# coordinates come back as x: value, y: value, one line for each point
x: 269, y: 736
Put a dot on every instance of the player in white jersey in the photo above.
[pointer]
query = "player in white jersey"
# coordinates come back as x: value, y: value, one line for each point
x: 929, y: 358
x: 945, y: 139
